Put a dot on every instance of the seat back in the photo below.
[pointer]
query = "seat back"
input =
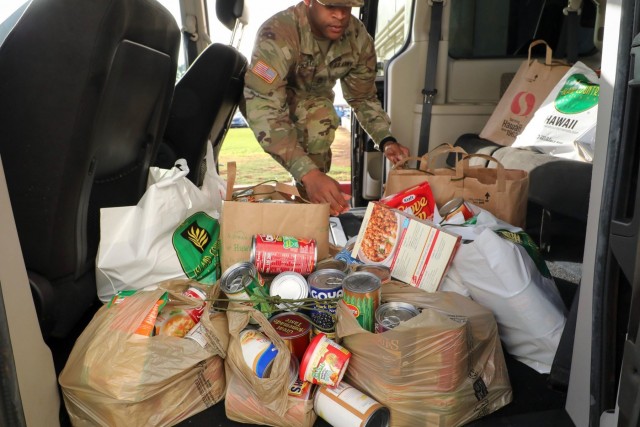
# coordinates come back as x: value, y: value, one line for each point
x: 204, y: 102
x: 84, y: 89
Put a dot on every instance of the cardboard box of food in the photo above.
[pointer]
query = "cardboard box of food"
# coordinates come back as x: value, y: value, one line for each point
x: 416, y: 251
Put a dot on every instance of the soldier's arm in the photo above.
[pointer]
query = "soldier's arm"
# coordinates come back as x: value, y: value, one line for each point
x: 265, y: 95
x: 359, y: 90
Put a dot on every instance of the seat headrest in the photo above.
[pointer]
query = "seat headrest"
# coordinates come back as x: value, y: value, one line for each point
x: 228, y: 11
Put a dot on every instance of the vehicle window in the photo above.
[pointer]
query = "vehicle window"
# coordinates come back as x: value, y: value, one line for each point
x: 392, y: 28
x: 514, y: 25
x: 173, y: 6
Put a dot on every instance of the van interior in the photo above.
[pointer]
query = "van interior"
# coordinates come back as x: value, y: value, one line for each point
x: 84, y: 119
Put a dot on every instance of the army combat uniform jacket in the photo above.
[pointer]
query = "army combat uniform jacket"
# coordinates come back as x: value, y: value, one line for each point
x: 289, y: 90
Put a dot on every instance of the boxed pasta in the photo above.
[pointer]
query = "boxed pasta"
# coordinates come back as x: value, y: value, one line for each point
x: 417, y: 252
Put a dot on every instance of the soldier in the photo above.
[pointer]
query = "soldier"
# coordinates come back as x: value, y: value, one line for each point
x: 298, y: 56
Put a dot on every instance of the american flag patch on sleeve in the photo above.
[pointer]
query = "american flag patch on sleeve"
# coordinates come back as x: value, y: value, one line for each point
x: 265, y: 72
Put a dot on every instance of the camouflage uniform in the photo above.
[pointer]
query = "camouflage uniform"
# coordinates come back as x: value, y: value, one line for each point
x: 289, y: 94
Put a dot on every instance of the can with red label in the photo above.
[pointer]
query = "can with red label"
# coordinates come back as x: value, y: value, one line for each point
x: 324, y: 362
x: 198, y: 294
x: 295, y: 331
x: 276, y: 254
x: 362, y: 294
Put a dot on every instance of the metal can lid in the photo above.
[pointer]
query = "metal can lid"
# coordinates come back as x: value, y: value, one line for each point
x: 391, y: 314
x: 332, y: 264
x: 291, y: 325
x: 326, y: 279
x: 231, y: 280
x: 361, y: 282
x: 450, y: 206
x: 252, y: 253
x: 289, y: 285
x: 382, y: 271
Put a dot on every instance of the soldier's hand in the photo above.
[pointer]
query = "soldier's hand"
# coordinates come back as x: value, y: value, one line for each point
x: 395, y: 152
x: 323, y: 189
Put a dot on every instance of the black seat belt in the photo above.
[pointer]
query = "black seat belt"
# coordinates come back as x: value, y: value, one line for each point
x: 429, y: 91
x: 572, y: 18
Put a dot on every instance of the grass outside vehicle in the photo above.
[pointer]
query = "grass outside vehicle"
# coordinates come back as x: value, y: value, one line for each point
x: 255, y: 166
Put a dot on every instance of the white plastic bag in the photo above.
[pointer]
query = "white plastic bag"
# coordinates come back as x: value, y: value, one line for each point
x: 503, y: 277
x: 567, y: 115
x: 172, y: 233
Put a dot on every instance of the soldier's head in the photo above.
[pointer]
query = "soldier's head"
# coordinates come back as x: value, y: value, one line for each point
x: 329, y: 18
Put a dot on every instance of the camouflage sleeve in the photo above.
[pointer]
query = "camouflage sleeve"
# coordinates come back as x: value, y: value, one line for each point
x: 267, y: 111
x: 359, y: 90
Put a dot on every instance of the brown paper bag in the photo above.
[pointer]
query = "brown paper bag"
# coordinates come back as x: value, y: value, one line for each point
x: 444, y: 367
x: 116, y: 377
x: 240, y: 221
x: 400, y: 178
x: 526, y: 92
x: 503, y: 192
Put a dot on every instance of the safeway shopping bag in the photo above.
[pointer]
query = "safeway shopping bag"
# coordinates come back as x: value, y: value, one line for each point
x: 172, y: 233
x: 526, y: 92
x: 443, y: 367
x: 565, y: 123
x: 116, y: 376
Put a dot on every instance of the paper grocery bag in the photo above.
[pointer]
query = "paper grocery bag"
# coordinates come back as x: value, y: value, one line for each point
x: 526, y: 92
x: 400, y: 177
x: 240, y: 221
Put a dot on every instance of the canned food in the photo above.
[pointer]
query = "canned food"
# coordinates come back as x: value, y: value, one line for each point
x: 333, y: 264
x: 289, y: 285
x: 295, y: 330
x: 325, y: 284
x: 173, y: 322
x: 389, y: 315
x: 258, y: 351
x: 198, y: 294
x: 382, y: 271
x: 345, y: 406
x: 455, y: 206
x: 324, y: 362
x: 361, y: 293
x: 239, y: 279
x: 278, y: 254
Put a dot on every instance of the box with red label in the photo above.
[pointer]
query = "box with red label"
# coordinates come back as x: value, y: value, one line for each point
x: 417, y: 200
x: 416, y: 251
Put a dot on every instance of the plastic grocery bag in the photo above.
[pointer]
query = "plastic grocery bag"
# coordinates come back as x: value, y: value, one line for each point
x: 504, y: 277
x: 115, y: 376
x: 567, y: 116
x: 173, y: 233
x: 271, y: 392
x: 443, y: 367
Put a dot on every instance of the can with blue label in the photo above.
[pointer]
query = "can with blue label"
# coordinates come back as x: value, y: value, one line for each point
x: 325, y: 285
x: 258, y: 352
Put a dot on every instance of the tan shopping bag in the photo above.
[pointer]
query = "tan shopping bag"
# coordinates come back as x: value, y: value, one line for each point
x: 526, y: 92
x: 115, y: 377
x: 444, y: 367
x: 400, y: 177
x: 241, y: 220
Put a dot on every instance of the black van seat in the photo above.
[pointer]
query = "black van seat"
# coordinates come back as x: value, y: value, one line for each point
x: 85, y: 96
x: 558, y: 185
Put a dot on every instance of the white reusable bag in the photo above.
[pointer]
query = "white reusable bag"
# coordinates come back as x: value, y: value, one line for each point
x: 172, y: 233
x: 530, y: 313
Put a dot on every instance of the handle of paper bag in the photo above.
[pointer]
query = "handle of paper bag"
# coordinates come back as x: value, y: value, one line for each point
x: 548, y: 59
x: 427, y: 158
x: 231, y: 179
x: 290, y: 190
x: 463, y: 166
